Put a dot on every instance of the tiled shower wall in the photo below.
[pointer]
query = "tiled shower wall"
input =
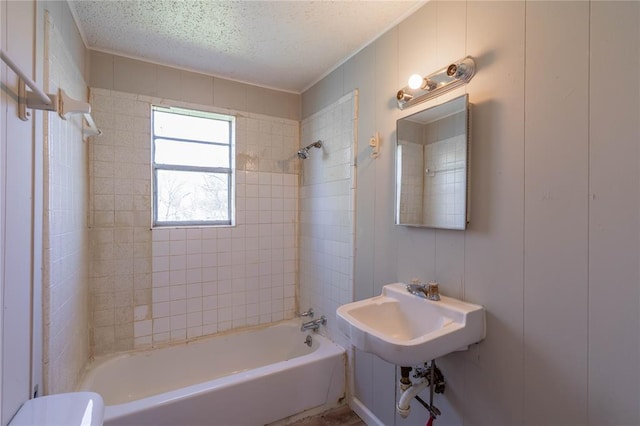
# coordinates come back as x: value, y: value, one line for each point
x: 65, y: 260
x: 445, y: 160
x: 433, y: 162
x: 412, y: 184
x: 327, y: 202
x: 411, y: 187
x: 120, y: 218
x: 164, y: 285
x: 445, y: 181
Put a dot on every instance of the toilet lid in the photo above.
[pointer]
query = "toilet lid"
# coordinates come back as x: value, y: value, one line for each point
x: 65, y: 409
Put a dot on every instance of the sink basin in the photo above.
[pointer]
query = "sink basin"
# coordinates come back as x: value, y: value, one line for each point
x: 408, y: 330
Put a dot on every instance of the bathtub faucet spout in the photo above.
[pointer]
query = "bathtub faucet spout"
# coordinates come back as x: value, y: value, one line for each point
x: 314, y: 324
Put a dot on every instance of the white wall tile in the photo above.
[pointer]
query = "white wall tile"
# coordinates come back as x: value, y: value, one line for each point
x: 66, y: 259
x: 323, y: 278
x: 194, y: 270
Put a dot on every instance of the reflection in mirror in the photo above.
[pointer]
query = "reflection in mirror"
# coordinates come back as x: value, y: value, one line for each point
x: 432, y: 166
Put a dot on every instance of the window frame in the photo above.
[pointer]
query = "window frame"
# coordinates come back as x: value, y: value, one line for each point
x: 230, y: 171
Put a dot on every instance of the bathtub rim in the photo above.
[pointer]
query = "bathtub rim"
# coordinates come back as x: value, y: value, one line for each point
x: 326, y: 349
x: 112, y: 357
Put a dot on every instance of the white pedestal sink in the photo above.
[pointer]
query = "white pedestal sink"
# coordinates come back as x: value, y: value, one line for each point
x: 408, y: 330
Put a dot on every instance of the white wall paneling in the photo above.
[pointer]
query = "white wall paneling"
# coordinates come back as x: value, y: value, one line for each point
x: 614, y: 227
x: 494, y: 241
x: 552, y: 247
x: 381, y: 189
x: 17, y: 215
x: 556, y: 214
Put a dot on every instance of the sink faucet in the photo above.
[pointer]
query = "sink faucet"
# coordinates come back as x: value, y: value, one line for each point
x: 428, y: 291
x: 313, y: 324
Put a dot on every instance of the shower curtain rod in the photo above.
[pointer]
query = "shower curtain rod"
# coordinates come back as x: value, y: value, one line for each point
x: 38, y: 99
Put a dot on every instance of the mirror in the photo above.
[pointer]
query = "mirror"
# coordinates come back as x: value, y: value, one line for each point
x: 432, y: 157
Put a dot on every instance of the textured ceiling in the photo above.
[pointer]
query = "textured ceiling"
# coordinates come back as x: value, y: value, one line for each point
x: 286, y: 45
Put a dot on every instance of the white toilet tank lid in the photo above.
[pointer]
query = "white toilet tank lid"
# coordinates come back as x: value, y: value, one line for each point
x: 68, y: 409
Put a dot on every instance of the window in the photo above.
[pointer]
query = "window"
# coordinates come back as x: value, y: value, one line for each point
x: 192, y: 167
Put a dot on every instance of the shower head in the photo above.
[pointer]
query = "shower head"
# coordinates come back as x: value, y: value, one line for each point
x: 303, y: 154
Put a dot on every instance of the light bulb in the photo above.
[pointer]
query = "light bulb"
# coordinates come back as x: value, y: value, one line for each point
x: 415, y: 81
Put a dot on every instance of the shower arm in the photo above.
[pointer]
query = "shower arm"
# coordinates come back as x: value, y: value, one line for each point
x: 316, y: 144
x: 304, y: 152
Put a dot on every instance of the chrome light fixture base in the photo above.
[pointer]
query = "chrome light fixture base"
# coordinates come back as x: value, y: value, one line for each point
x: 442, y: 81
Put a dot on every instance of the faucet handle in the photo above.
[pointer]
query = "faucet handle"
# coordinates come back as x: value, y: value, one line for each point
x: 433, y: 291
x: 308, y: 313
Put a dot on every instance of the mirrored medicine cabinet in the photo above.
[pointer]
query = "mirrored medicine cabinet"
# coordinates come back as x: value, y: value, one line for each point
x: 432, y: 173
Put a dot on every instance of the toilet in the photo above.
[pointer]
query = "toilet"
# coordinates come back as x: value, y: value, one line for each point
x: 64, y: 409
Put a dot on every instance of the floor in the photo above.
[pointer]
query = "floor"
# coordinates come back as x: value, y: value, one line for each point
x: 339, y: 417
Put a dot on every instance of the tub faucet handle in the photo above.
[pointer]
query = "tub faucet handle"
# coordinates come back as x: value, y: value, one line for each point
x: 308, y: 313
x: 314, y: 324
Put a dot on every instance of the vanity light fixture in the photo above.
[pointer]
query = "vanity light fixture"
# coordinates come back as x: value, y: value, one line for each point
x: 420, y: 89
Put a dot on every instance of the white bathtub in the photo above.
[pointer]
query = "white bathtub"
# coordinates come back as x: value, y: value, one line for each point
x: 251, y: 377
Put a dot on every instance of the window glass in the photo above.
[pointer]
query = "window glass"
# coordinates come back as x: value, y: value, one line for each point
x: 192, y: 167
x: 192, y: 196
x: 191, y: 153
x: 181, y: 126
